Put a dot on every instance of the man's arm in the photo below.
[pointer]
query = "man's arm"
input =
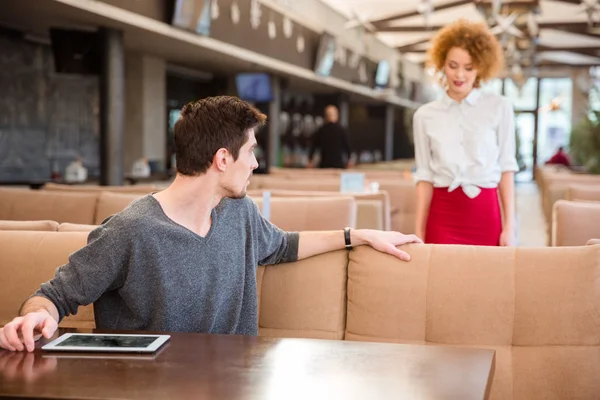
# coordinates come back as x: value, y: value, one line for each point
x: 37, y: 304
x: 507, y: 199
x: 38, y: 316
x: 91, y: 271
x: 318, y: 242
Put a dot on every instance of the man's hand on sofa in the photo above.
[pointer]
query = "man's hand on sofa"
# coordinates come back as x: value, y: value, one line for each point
x: 386, y: 241
x: 18, y: 334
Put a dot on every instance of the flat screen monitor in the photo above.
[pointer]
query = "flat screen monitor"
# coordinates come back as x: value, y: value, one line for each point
x: 325, y: 55
x: 193, y: 15
x: 254, y: 87
x: 382, y: 76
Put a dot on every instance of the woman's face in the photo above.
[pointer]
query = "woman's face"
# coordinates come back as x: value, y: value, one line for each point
x: 459, y: 71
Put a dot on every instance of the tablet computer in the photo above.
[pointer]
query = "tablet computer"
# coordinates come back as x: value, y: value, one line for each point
x: 103, y: 342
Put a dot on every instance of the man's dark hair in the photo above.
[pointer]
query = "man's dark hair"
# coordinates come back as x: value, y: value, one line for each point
x: 208, y: 125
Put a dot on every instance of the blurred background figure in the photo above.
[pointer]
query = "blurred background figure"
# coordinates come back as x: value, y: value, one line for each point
x: 331, y: 141
x: 560, y: 158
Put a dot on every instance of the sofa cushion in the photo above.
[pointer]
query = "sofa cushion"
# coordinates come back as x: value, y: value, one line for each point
x: 37, y: 255
x: 49, y: 226
x: 305, y: 299
x: 445, y: 294
x: 387, y: 297
x: 68, y: 227
x: 380, y: 196
x: 557, y: 297
x: 556, y: 372
x: 110, y: 203
x: 37, y: 205
x: 87, y: 188
x: 574, y: 222
x: 583, y: 192
x: 312, y: 213
x: 470, y: 295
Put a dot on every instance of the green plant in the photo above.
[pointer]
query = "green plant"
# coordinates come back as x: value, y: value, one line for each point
x: 584, y: 144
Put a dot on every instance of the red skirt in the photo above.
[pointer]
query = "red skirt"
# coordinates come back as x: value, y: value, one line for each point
x: 454, y: 218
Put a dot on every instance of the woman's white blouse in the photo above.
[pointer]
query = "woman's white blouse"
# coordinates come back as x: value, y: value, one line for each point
x: 468, y: 144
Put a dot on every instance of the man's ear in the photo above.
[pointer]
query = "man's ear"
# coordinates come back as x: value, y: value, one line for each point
x: 221, y: 159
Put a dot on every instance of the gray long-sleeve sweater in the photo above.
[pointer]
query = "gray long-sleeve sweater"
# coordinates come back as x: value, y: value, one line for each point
x: 143, y: 271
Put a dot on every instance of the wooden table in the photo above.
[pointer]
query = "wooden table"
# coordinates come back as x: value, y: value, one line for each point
x: 234, y: 367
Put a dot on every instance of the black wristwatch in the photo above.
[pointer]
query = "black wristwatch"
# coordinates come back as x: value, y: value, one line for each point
x: 347, y: 238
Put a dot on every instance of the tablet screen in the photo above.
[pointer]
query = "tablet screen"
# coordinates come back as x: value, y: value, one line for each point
x: 107, y: 341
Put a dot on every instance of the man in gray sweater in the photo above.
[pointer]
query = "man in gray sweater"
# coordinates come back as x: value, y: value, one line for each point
x: 184, y: 259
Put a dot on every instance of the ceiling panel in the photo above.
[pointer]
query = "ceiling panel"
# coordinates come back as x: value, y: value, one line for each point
x: 578, y: 36
x: 556, y: 38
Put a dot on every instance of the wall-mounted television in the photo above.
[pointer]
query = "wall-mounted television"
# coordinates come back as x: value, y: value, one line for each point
x: 254, y: 87
x: 325, y: 55
x: 193, y: 15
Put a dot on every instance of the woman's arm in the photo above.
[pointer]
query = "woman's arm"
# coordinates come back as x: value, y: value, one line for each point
x: 423, y: 175
x: 424, y: 193
x: 508, y: 166
x: 507, y: 199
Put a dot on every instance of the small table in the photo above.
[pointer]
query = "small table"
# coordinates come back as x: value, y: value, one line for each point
x: 204, y: 366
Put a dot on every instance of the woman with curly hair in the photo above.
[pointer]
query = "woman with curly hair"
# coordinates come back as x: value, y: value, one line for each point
x: 465, y: 145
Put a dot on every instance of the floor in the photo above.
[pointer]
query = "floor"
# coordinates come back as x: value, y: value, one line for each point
x: 531, y: 231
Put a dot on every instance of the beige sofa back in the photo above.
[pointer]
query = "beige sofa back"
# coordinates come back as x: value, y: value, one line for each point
x: 311, y: 213
x: 87, y: 208
x: 29, y: 226
x: 574, y: 223
x: 402, y: 195
x: 369, y: 215
x: 583, y: 192
x: 302, y: 299
x: 110, y: 203
x: 139, y: 189
x: 38, y: 205
x: 538, y: 308
x: 28, y: 259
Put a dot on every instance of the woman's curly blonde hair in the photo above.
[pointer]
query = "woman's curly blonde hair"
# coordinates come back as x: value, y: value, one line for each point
x: 476, y: 39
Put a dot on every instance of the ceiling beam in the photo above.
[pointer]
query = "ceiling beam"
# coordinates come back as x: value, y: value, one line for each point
x: 409, y: 47
x: 413, y: 28
x: 570, y: 1
x: 565, y: 25
x: 415, y: 13
x: 586, y: 51
x: 550, y: 65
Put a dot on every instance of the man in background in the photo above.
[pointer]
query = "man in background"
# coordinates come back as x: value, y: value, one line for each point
x: 331, y: 140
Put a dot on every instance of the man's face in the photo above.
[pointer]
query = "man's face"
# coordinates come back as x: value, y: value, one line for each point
x: 331, y: 114
x: 237, y: 176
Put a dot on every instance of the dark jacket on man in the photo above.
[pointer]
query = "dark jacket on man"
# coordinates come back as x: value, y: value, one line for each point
x: 332, y: 141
